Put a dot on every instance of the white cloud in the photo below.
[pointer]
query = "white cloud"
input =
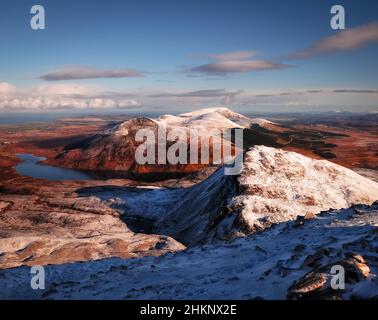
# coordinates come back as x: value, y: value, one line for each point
x: 80, y: 72
x: 234, y: 62
x: 347, y: 40
x: 56, y: 103
x: 234, y: 55
x: 63, y: 89
x: 59, y: 96
x: 224, y: 67
x: 6, y: 89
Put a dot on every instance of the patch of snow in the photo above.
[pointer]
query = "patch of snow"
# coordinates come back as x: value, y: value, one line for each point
x: 262, y: 266
x: 220, y: 118
x: 274, y: 186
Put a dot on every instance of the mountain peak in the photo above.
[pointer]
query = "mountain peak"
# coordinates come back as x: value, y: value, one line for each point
x: 216, y: 117
x: 205, y: 111
x: 274, y: 186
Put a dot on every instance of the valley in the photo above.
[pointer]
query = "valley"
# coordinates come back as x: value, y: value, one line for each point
x: 295, y: 175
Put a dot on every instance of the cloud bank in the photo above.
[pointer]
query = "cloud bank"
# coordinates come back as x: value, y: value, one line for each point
x: 49, y: 97
x: 61, y: 103
x: 59, y: 97
x: 6, y: 89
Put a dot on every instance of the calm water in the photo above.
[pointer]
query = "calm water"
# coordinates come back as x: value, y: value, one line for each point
x: 31, y: 167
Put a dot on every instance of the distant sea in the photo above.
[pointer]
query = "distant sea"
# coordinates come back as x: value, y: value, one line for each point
x: 15, y: 118
x: 26, y: 118
x: 6, y: 118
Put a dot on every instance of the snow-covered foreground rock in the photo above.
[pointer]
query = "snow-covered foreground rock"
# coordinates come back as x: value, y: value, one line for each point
x: 274, y: 186
x: 263, y: 266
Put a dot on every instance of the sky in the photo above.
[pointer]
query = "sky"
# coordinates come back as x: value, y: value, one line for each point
x: 173, y: 56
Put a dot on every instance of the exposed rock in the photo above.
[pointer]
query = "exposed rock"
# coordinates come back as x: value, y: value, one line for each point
x: 317, y: 283
x: 39, y: 231
x: 262, y: 266
x: 309, y: 284
x: 315, y: 259
x: 309, y: 215
x: 4, y: 205
x: 274, y: 186
x: 299, y: 221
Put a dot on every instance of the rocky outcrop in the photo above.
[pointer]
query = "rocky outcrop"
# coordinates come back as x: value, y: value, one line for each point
x: 4, y: 205
x: 274, y: 186
x: 35, y: 230
x: 262, y: 266
x: 317, y: 284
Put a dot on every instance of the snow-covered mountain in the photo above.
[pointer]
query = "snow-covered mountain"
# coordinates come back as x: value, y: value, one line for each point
x: 297, y: 203
x: 210, y: 118
x: 274, y: 186
x: 114, y: 149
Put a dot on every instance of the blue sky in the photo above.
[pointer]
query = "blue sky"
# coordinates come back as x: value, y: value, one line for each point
x: 180, y: 53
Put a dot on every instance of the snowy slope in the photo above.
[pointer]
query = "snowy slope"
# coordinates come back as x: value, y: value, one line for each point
x: 279, y: 185
x: 263, y: 266
x: 228, y: 114
x: 274, y: 186
x: 210, y: 118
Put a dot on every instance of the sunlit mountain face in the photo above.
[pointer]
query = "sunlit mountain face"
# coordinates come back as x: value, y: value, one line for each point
x: 188, y: 150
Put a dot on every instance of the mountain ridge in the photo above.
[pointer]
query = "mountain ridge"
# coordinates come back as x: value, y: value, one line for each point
x: 274, y: 186
x: 114, y: 149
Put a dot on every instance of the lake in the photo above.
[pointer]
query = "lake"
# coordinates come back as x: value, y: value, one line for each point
x: 31, y: 166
